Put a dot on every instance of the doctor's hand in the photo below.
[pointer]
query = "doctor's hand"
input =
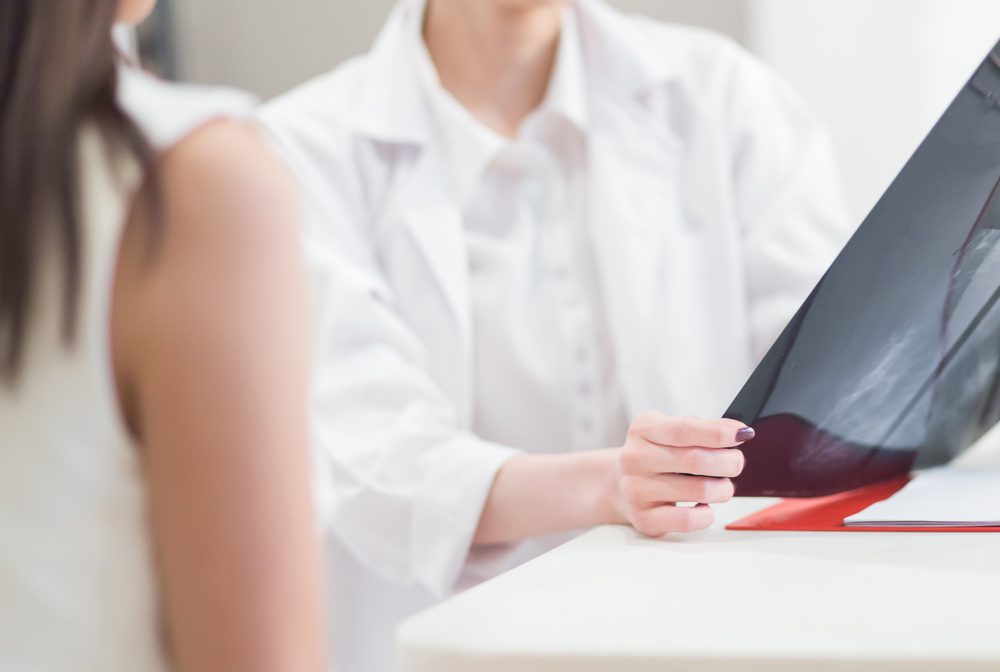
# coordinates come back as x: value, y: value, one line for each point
x: 664, y: 461
x: 667, y: 460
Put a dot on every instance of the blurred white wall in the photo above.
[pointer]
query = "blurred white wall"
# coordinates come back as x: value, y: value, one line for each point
x: 879, y: 72
x: 266, y: 46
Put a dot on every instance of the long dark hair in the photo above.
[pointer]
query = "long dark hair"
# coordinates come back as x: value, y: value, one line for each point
x: 57, y: 75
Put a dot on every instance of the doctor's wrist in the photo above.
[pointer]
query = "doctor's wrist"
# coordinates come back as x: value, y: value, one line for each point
x: 604, y: 487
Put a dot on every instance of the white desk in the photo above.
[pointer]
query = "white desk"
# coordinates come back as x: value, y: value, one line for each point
x: 720, y: 601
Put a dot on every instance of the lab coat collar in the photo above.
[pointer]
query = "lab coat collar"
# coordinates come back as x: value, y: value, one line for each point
x: 618, y: 66
x: 629, y: 65
x: 567, y: 92
x: 386, y: 107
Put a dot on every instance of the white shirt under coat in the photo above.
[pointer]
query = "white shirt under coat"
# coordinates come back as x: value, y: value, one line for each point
x: 543, y: 351
x: 638, y: 246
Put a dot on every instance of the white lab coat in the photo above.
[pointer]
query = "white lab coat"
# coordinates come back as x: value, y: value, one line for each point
x: 713, y: 206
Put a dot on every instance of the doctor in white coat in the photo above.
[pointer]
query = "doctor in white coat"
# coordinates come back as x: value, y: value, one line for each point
x: 534, y: 221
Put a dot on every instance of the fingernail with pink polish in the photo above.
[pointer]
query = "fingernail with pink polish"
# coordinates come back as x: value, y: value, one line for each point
x: 745, y: 434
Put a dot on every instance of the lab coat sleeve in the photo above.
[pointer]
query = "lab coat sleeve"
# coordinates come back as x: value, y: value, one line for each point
x: 407, y: 486
x: 404, y: 484
x: 788, y: 197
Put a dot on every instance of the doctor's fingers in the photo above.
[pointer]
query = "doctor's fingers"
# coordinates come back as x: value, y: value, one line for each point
x: 645, y: 458
x: 661, y: 520
x: 667, y: 430
x: 645, y: 491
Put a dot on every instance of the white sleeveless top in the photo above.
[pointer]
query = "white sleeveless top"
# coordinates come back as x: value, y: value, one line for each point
x: 77, y: 583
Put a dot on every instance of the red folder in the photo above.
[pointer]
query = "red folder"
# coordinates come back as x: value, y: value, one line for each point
x: 826, y: 514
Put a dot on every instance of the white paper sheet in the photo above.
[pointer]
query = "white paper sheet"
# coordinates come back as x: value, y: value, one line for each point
x: 947, y: 496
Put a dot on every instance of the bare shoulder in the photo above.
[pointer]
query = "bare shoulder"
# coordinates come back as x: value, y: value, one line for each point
x: 223, y: 180
x: 230, y: 219
x: 224, y: 253
x: 226, y: 148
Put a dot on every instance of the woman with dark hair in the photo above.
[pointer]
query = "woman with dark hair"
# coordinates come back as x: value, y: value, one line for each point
x: 155, y: 503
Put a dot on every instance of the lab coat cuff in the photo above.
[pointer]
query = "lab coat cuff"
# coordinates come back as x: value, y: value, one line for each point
x: 455, y: 490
